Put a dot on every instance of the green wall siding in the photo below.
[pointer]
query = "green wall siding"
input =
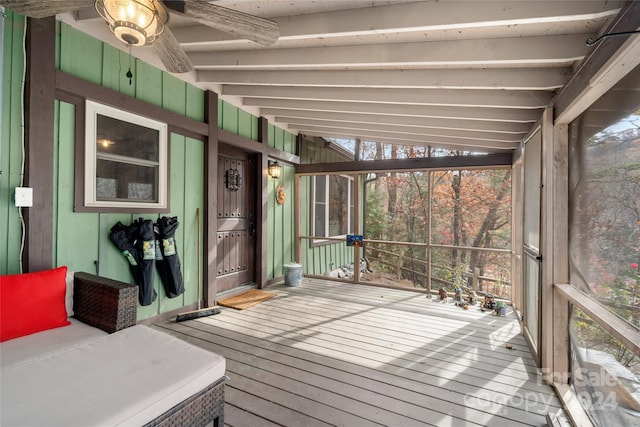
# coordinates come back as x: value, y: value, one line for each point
x: 81, y: 239
x: 281, y: 231
x: 102, y: 64
x: 10, y: 143
x: 281, y: 139
x: 235, y: 120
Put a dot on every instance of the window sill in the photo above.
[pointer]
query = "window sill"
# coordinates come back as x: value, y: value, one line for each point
x: 572, y: 407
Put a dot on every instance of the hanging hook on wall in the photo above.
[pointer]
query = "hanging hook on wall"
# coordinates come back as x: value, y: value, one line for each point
x: 590, y: 41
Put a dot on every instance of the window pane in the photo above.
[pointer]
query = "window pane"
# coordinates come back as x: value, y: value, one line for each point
x: 321, y: 188
x: 605, y: 199
x: 604, y: 221
x: 121, y: 138
x: 338, y: 205
x: 333, y: 207
x: 605, y: 374
x: 320, y: 217
x: 125, y: 161
x: 124, y: 181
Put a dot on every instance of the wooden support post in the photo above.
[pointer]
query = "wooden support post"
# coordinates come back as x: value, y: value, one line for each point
x: 429, y: 216
x: 210, y: 201
x: 356, y: 227
x: 262, y: 184
x: 474, y: 283
x: 39, y: 102
x: 561, y: 364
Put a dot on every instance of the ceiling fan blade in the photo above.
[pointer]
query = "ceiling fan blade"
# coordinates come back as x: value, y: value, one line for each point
x: 230, y: 21
x: 170, y: 52
x: 44, y: 8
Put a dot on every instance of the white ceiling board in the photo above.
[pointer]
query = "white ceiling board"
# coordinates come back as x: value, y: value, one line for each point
x: 295, y: 116
x: 469, y: 113
x: 473, y: 75
x: 413, y: 96
x: 545, y: 51
x: 318, y: 125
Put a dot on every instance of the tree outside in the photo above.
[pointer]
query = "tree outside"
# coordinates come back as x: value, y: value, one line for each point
x: 445, y: 212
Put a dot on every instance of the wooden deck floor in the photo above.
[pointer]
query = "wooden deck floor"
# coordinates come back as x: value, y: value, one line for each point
x: 330, y: 353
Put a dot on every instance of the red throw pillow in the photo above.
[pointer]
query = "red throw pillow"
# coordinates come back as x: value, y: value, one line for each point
x: 32, y: 302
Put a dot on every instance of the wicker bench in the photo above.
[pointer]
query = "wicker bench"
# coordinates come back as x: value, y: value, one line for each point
x: 111, y: 306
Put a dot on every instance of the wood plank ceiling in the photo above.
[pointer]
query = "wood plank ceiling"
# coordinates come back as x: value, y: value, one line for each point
x: 466, y: 75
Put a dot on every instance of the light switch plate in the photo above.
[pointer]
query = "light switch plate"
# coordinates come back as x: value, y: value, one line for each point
x: 24, y: 197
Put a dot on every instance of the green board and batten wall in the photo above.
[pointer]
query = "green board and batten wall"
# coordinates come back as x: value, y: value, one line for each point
x: 10, y: 147
x: 81, y: 239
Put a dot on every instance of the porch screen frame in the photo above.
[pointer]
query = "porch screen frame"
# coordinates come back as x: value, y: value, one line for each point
x: 532, y: 242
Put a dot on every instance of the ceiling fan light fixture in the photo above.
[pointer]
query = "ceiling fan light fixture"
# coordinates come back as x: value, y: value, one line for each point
x: 134, y: 22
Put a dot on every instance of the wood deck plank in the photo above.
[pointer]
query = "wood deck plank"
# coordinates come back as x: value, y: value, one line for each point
x: 447, y: 316
x: 357, y: 351
x: 331, y: 353
x: 363, y: 390
x: 256, y: 404
x: 244, y: 418
x: 399, y: 340
x: 498, y: 328
x: 403, y: 379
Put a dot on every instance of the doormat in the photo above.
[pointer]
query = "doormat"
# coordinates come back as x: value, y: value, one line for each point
x: 247, y: 299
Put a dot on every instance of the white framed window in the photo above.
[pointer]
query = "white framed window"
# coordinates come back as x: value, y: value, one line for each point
x: 332, y: 205
x: 126, y: 160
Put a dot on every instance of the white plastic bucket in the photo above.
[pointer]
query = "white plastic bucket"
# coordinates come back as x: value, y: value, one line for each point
x: 292, y: 274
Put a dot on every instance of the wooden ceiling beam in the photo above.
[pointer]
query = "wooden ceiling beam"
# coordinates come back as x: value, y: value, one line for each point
x: 451, y: 97
x: 514, y: 79
x: 317, y: 125
x: 425, y: 18
x: 467, y: 113
x: 295, y: 116
x: 548, y: 51
x: 394, y: 138
x: 486, y: 161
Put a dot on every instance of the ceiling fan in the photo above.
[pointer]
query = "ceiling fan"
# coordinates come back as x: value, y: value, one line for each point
x: 140, y: 22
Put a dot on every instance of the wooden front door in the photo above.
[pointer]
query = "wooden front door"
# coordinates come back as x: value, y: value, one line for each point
x: 235, y: 218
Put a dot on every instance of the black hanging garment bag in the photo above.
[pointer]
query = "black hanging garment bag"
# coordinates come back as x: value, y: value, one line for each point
x: 169, y: 268
x: 136, y: 242
x: 120, y: 236
x: 147, y: 248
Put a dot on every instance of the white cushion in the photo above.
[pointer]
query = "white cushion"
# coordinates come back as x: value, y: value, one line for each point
x: 124, y: 379
x: 46, y: 343
x: 68, y: 296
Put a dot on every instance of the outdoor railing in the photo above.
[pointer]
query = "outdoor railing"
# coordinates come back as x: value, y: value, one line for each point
x: 429, y: 266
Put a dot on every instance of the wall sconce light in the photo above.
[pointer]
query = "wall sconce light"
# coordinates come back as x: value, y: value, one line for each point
x: 275, y: 169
